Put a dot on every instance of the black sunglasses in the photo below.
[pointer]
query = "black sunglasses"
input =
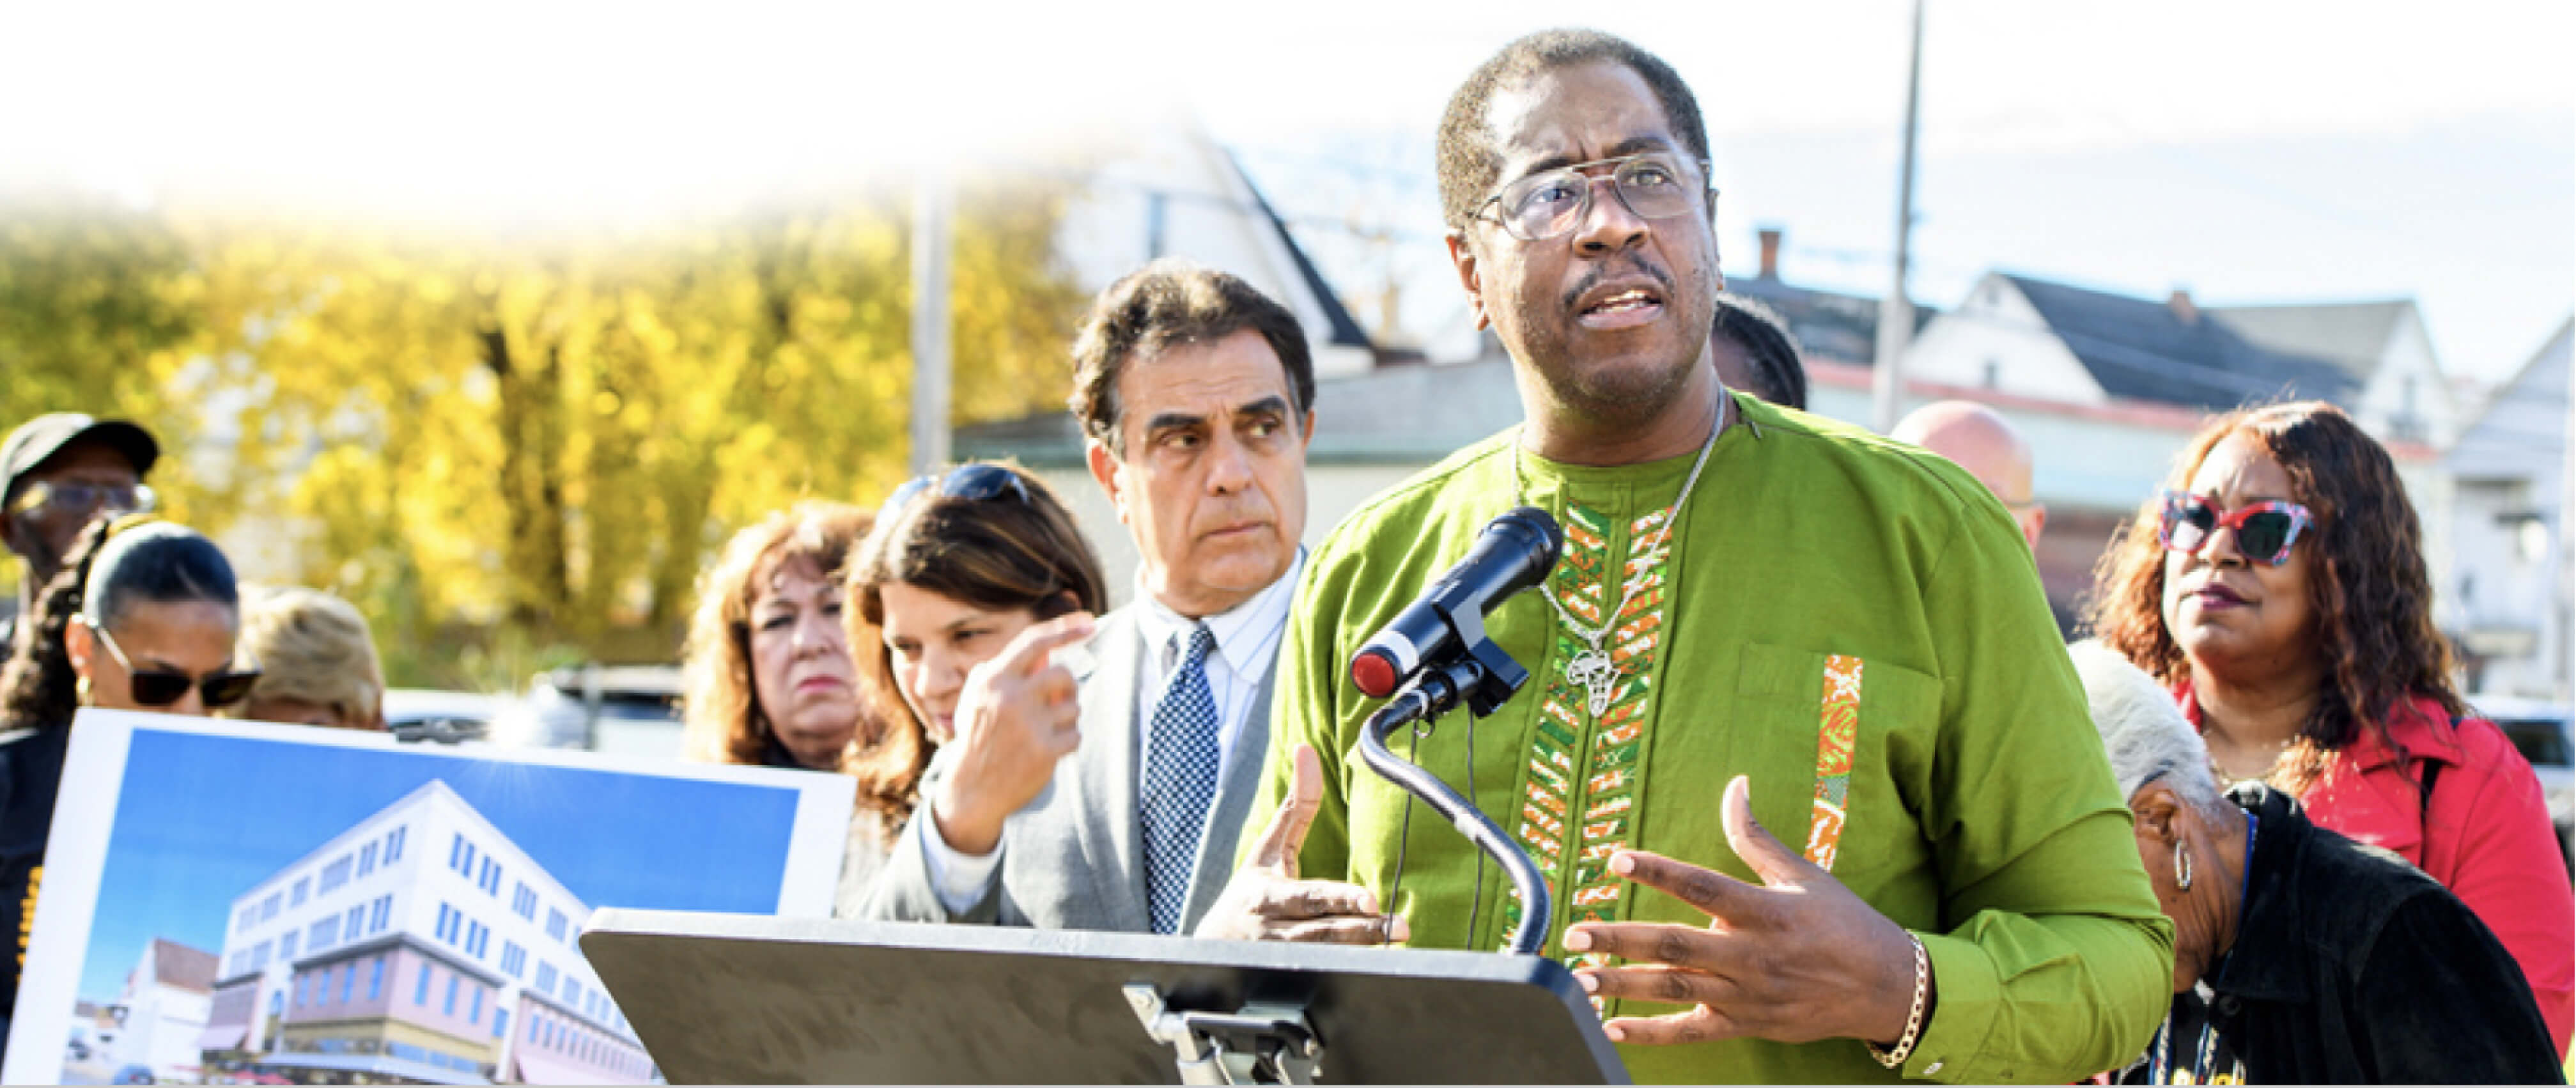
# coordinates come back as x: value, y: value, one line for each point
x: 972, y: 483
x: 162, y: 687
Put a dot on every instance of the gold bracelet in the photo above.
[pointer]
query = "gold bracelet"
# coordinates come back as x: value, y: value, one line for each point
x: 1895, y: 1059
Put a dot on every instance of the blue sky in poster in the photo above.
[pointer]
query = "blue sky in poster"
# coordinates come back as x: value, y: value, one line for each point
x: 200, y: 819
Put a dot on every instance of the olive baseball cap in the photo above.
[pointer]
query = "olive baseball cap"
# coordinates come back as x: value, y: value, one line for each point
x: 44, y: 436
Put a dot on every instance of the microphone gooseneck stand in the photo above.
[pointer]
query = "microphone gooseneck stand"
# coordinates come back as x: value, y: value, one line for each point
x: 1483, y: 677
x: 1274, y: 1043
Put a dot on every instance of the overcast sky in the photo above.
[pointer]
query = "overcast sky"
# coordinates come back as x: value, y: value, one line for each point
x: 2275, y: 151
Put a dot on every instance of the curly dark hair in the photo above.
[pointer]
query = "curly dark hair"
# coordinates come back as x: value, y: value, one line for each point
x: 2373, y: 602
x: 1467, y: 161
x: 1168, y: 303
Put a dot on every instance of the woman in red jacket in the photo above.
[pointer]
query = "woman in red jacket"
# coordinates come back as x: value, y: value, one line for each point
x: 2278, y: 587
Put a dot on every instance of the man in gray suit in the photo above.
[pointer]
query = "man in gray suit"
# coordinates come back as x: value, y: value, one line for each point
x: 1196, y: 395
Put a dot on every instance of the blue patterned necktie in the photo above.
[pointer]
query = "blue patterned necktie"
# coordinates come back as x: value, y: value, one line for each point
x: 1180, y: 781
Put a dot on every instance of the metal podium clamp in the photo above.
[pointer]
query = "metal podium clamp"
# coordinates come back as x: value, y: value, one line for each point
x: 1264, y: 1043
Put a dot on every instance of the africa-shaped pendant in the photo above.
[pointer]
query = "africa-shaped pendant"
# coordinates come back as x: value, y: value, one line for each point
x: 1597, y: 673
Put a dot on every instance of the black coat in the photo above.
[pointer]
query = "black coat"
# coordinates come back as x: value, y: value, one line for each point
x: 2350, y: 966
x: 31, y: 773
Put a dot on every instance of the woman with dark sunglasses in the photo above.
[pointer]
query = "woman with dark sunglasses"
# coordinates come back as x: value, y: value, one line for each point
x: 2278, y: 588
x: 959, y: 598
x: 142, y: 616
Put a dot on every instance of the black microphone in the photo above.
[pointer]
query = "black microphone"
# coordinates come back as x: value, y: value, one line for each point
x: 1515, y: 552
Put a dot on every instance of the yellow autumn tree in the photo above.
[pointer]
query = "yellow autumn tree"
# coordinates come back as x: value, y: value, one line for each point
x: 97, y: 307
x: 491, y: 441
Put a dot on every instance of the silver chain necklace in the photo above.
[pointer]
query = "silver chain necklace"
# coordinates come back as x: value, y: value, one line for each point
x: 1593, y: 669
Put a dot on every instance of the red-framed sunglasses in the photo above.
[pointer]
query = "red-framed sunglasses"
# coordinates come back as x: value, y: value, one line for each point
x: 2264, y: 530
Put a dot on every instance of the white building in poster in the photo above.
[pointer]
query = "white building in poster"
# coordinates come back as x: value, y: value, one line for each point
x: 162, y: 1010
x: 422, y: 943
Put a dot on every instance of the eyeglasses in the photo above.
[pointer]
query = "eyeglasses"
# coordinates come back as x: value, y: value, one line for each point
x: 80, y: 498
x: 973, y: 483
x: 1544, y: 205
x: 162, y: 687
x: 2264, y: 530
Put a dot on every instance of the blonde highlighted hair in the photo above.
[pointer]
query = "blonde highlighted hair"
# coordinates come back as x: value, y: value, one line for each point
x: 313, y: 647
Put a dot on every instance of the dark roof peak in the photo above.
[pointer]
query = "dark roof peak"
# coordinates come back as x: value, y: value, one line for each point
x: 2144, y: 349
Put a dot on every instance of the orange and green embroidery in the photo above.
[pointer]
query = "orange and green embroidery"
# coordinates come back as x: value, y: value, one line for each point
x: 1584, y: 770
x: 1837, y: 733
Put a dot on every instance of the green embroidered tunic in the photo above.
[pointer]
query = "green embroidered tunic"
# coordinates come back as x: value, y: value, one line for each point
x: 1855, y: 624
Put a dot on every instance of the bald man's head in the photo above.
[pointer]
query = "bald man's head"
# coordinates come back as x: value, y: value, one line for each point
x: 1977, y: 439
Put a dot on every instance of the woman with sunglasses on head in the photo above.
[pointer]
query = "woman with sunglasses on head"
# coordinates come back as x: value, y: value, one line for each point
x: 970, y: 582
x: 2278, y: 588
x: 142, y: 616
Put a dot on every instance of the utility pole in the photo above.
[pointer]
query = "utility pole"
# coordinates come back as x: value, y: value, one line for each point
x: 930, y: 321
x: 1896, y: 312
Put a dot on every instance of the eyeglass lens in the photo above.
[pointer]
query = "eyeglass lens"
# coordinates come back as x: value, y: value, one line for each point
x: 1549, y: 204
x: 82, y: 497
x: 162, y: 687
x: 158, y: 688
x: 2261, y: 536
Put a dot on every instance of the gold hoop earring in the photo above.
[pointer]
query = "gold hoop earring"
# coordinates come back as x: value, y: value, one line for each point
x: 80, y: 691
x: 2182, y: 867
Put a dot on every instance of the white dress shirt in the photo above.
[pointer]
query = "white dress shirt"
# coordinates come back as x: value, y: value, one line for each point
x: 1247, y: 645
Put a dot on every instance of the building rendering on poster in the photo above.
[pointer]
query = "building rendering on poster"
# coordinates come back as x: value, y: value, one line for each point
x: 245, y: 902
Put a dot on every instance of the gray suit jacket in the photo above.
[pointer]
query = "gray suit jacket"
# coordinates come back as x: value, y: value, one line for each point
x: 1074, y: 858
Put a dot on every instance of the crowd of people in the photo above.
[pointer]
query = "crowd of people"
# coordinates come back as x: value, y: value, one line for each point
x: 1819, y: 791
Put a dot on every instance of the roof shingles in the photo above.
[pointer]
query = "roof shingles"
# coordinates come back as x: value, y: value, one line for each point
x: 2141, y: 350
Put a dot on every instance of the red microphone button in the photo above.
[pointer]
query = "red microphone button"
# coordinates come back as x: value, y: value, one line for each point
x: 1374, y: 673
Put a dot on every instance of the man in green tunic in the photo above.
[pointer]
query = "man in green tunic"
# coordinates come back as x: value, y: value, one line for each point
x: 1749, y: 597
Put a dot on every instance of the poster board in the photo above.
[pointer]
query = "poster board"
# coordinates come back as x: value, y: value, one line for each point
x: 244, y: 901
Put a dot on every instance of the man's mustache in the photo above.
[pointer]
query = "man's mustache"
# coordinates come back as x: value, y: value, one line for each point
x: 1599, y: 273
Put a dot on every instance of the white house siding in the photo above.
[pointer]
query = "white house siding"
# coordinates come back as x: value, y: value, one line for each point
x: 2507, y: 598
x: 2407, y: 396
x: 1995, y: 340
x: 162, y: 1022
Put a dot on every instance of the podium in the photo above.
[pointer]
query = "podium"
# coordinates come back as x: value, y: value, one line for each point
x: 759, y: 1000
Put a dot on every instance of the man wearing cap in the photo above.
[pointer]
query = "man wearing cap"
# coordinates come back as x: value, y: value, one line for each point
x: 64, y: 469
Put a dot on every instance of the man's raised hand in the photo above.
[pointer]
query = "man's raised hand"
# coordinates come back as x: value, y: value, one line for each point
x: 1019, y: 713
x: 1795, y: 958
x: 1265, y: 901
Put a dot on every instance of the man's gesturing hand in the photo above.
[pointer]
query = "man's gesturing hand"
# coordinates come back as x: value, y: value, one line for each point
x: 1266, y: 902
x: 1793, y: 959
x: 1019, y: 713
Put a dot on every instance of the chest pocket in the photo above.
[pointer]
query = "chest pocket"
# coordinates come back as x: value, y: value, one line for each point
x: 1834, y: 744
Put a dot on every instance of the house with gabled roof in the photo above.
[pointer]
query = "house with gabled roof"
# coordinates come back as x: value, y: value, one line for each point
x: 1170, y: 189
x: 2382, y: 345
x: 2109, y: 388
x: 2023, y: 335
